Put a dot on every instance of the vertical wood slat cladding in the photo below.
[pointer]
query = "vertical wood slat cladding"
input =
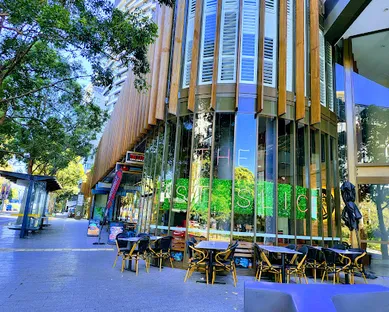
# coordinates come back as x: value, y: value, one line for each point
x: 282, y: 41
x: 216, y: 54
x: 195, y: 56
x: 164, y: 66
x: 176, y: 64
x: 238, y: 54
x: 315, y: 61
x: 300, y: 59
x: 156, y: 66
x: 133, y: 111
x: 261, y: 54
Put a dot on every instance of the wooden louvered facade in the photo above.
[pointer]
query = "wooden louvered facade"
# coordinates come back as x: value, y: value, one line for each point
x: 218, y: 49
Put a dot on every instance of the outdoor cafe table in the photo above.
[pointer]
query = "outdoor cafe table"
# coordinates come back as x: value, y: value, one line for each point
x: 212, y: 247
x: 130, y: 241
x: 283, y: 251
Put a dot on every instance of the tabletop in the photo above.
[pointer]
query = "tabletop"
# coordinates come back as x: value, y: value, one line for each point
x: 279, y: 249
x: 345, y: 252
x: 135, y: 239
x: 212, y: 245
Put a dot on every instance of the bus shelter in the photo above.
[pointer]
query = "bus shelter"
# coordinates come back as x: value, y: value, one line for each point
x: 35, y: 198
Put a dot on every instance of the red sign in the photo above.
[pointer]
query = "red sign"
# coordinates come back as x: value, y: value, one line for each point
x: 135, y: 157
x: 114, y: 188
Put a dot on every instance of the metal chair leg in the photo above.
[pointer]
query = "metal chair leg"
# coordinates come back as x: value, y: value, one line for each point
x: 171, y: 262
x: 123, y: 263
x: 186, y: 275
x: 160, y: 264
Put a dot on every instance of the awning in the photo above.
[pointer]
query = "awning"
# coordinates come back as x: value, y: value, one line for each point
x: 51, y: 182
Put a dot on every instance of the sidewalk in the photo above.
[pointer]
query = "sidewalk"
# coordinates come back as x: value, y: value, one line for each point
x: 60, y: 269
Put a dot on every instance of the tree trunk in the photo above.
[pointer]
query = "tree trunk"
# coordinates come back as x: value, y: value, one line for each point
x: 30, y: 164
x: 383, y: 231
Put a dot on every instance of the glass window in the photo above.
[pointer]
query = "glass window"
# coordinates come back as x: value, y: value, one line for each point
x: 221, y: 195
x: 182, y: 167
x: 270, y: 48
x: 249, y: 39
x: 286, y: 211
x: 200, y: 174
x: 157, y: 177
x: 266, y: 210
x: 167, y: 178
x: 316, y: 184
x: 373, y: 204
x: 228, y: 41
x: 244, y: 170
x: 207, y: 42
x: 189, y: 42
x: 303, y: 225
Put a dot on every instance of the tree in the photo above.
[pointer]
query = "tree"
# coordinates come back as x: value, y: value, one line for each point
x: 69, y: 178
x: 374, y: 131
x: 42, y: 108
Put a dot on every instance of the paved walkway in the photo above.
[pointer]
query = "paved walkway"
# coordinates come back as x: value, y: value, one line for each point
x: 60, y: 269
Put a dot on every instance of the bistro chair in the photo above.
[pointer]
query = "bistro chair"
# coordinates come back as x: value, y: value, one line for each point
x: 290, y: 258
x: 121, y: 247
x: 298, y: 269
x: 357, y: 264
x: 264, y: 266
x: 198, y: 260
x: 137, y: 252
x: 161, y: 250
x: 334, y: 266
x: 314, y: 260
x: 224, y: 262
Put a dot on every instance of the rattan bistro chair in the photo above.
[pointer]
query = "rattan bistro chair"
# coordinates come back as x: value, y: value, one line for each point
x: 314, y: 260
x: 161, y: 250
x: 224, y: 261
x: 334, y: 266
x: 137, y: 252
x: 264, y: 266
x: 357, y: 264
x: 298, y: 268
x: 121, y: 247
x: 198, y: 260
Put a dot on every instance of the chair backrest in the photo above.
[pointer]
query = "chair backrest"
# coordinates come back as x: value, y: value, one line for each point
x: 301, y: 258
x: 193, y: 239
x: 291, y: 246
x: 312, y: 253
x: 340, y: 246
x: 189, y: 250
x: 143, y: 235
x: 329, y: 256
x: 143, y: 244
x: 357, y: 259
x: 119, y: 243
x: 165, y: 243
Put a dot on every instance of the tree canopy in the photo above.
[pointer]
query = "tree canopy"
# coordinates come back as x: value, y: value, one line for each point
x: 43, y: 110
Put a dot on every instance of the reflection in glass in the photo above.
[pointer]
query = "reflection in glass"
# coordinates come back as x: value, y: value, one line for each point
x: 303, y: 228
x: 181, y: 181
x: 372, y: 124
x: 221, y: 195
x: 286, y: 211
x: 374, y: 204
x: 244, y: 167
x: 266, y: 212
x: 200, y: 174
x: 167, y: 178
x: 315, y: 186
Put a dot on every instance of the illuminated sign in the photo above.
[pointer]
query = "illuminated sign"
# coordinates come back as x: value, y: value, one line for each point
x: 134, y: 157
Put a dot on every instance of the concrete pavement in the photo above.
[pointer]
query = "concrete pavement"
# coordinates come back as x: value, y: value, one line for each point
x: 80, y: 277
x: 59, y: 269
